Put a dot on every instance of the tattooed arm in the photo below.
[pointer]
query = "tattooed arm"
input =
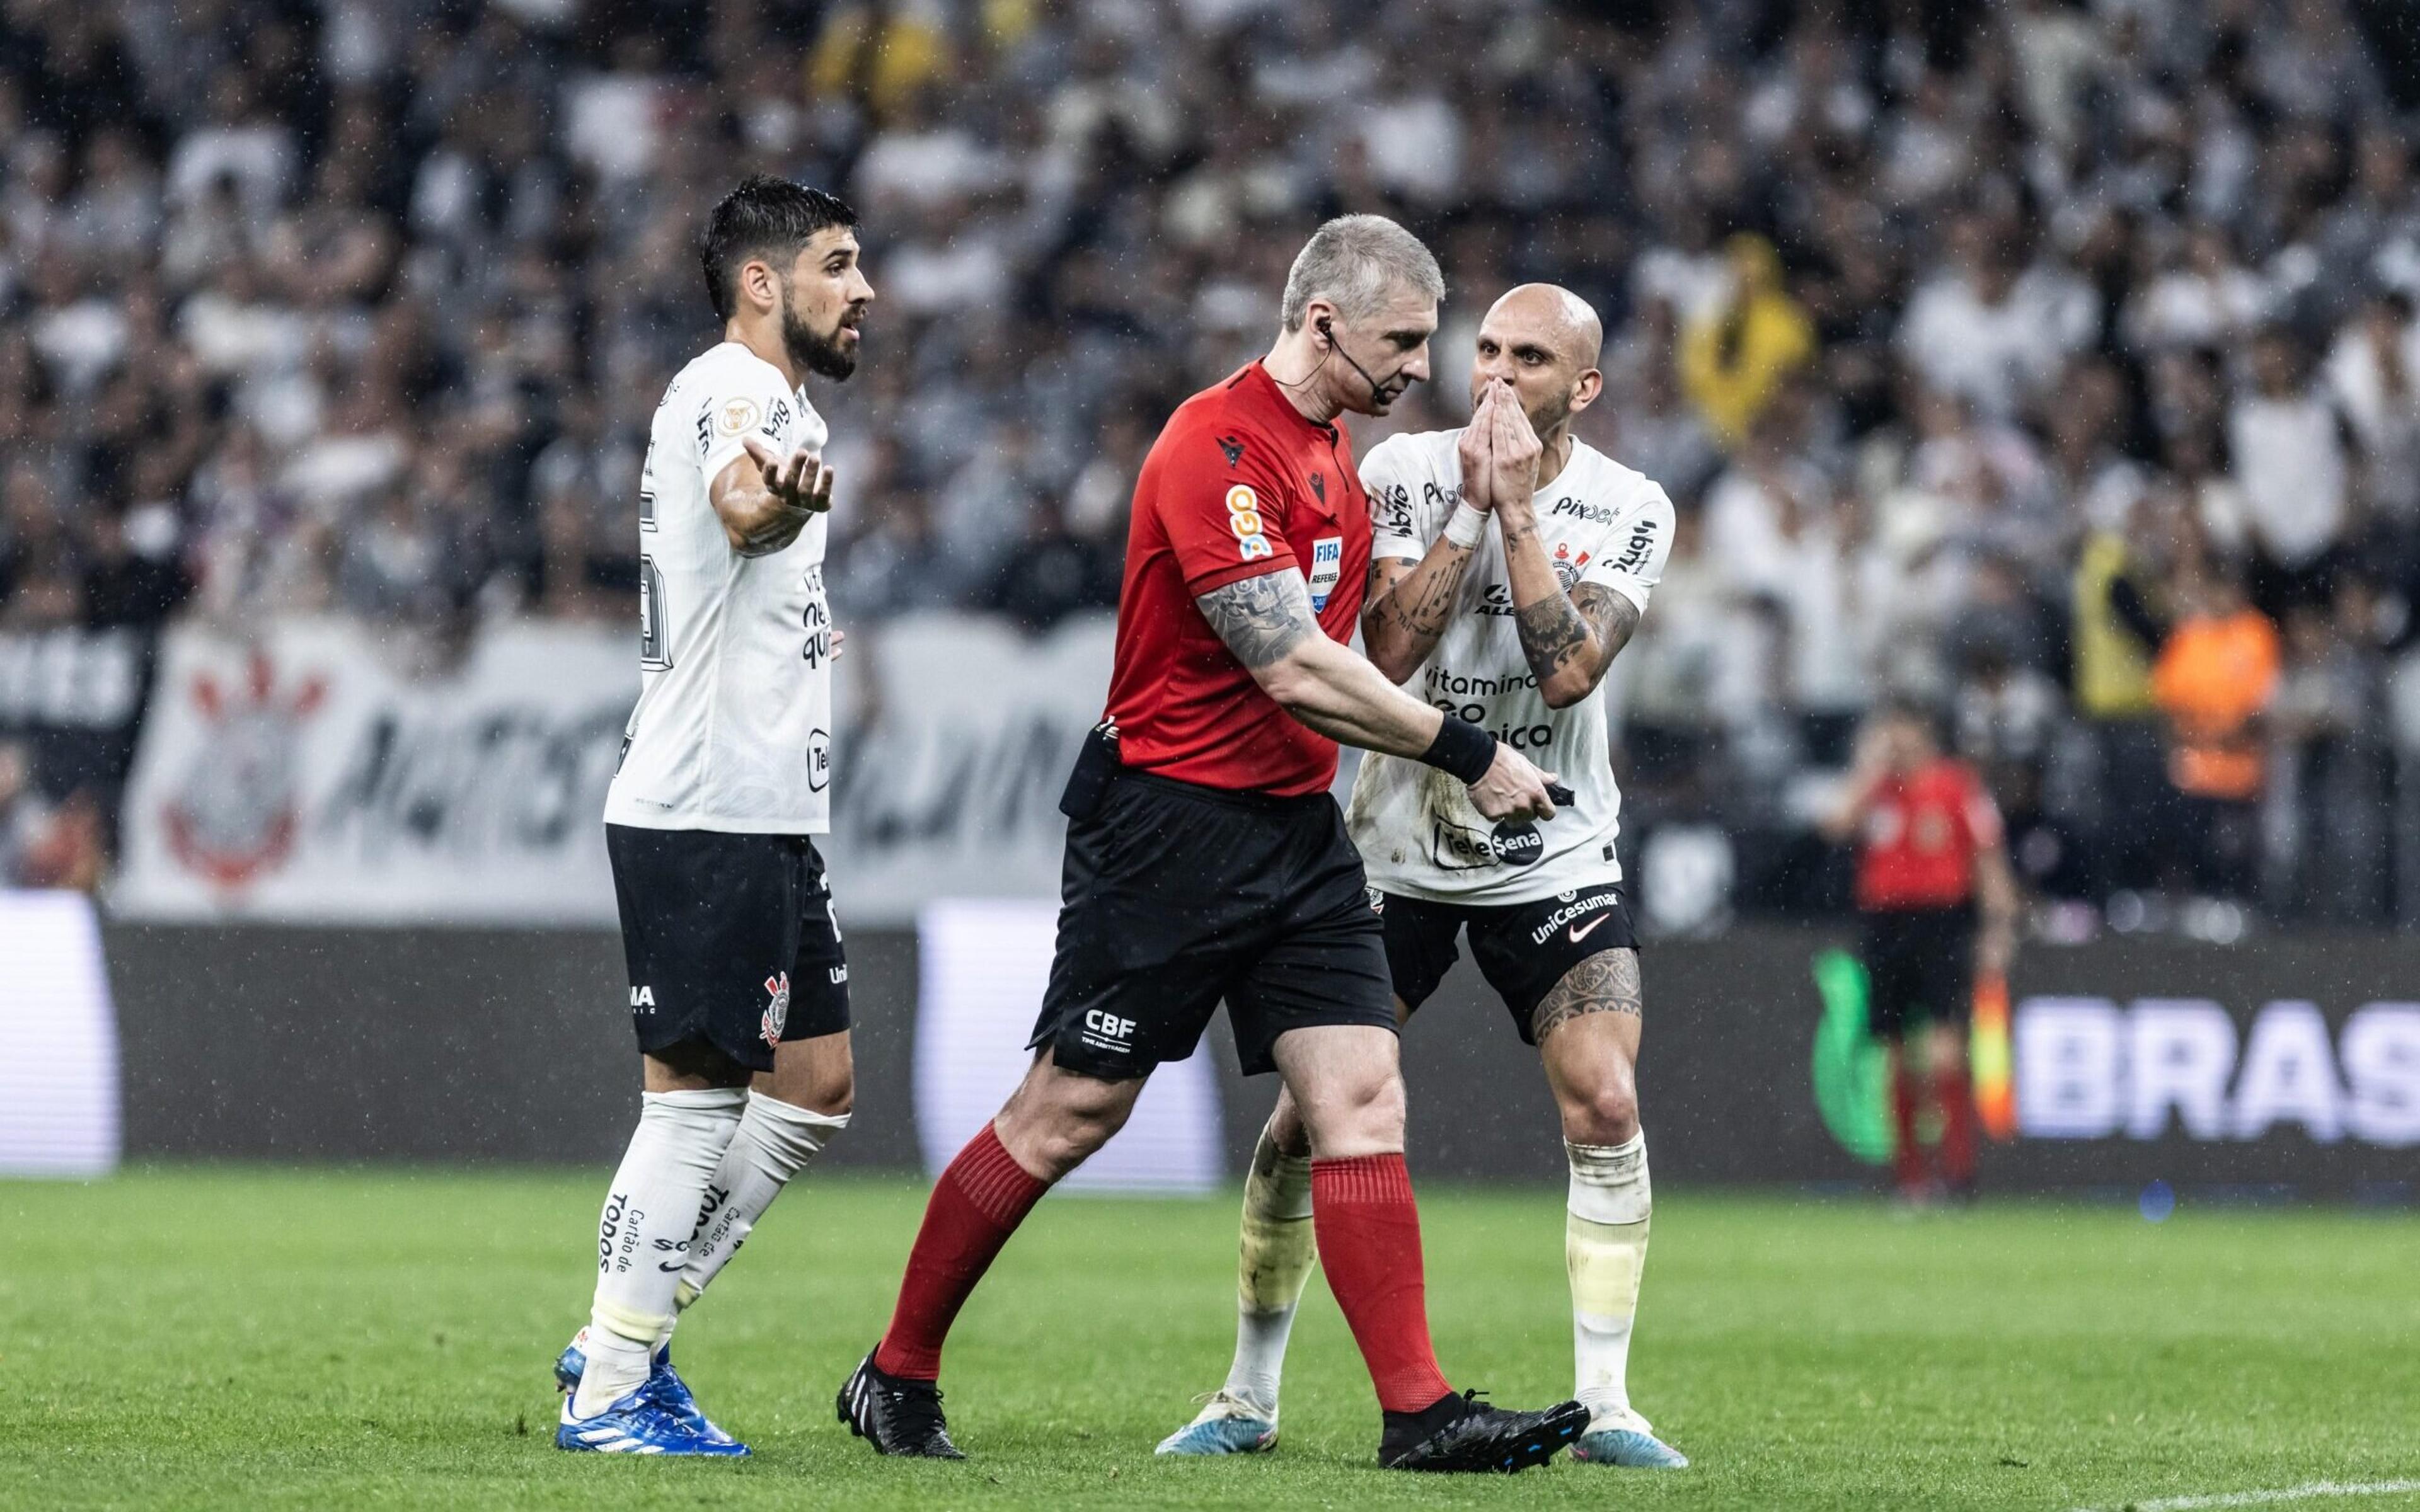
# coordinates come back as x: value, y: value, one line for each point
x: 1267, y: 622
x: 1408, y: 604
x: 1570, y: 639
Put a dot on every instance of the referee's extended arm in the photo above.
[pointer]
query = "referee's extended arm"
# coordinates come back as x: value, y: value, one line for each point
x: 1267, y: 621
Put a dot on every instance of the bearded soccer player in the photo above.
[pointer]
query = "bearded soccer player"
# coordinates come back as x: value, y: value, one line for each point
x: 1206, y: 860
x: 1511, y: 565
x: 739, y: 986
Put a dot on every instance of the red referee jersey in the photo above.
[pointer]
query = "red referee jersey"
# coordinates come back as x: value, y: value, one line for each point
x: 1239, y: 483
x: 1922, y: 833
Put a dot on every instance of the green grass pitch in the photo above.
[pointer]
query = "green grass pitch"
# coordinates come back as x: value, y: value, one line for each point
x: 206, y: 1337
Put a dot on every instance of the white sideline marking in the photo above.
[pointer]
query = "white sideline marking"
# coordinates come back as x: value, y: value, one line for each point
x: 2310, y: 1491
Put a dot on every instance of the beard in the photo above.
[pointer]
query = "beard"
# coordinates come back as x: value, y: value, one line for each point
x: 823, y: 356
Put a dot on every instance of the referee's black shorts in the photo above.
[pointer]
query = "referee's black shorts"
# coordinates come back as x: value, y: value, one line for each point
x: 1919, y: 967
x: 1175, y: 896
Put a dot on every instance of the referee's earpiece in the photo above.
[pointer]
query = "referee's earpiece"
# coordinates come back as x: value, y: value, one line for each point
x: 1330, y: 335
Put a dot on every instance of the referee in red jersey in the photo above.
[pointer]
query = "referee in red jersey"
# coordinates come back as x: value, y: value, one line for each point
x: 1930, y: 850
x: 1205, y: 860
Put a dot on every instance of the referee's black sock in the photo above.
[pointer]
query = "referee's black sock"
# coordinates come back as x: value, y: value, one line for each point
x: 1405, y: 1429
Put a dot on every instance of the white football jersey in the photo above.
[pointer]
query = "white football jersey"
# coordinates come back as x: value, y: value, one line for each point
x: 732, y: 729
x: 1417, y: 831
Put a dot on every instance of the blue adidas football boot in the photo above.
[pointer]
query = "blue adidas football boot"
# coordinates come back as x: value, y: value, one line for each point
x: 670, y: 1391
x: 638, y: 1424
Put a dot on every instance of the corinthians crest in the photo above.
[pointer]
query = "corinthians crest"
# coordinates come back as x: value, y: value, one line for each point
x: 235, y: 813
x: 1568, y: 565
x: 777, y: 1013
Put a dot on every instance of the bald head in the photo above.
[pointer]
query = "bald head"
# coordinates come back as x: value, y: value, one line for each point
x: 1554, y: 311
x: 1543, y: 340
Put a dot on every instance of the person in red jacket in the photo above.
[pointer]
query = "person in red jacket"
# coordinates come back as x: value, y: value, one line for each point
x: 1931, y: 859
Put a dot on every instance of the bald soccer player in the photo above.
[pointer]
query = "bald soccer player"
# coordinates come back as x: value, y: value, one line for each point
x: 1509, y: 565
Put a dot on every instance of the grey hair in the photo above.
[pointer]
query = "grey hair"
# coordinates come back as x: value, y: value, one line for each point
x: 1357, y: 262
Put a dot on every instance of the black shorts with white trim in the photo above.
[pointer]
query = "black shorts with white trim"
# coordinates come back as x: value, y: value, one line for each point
x: 1521, y: 949
x: 1175, y: 896
x: 731, y: 939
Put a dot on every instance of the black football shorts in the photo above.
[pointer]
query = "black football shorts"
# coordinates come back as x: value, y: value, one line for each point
x: 1919, y: 966
x: 1175, y: 896
x: 729, y: 938
x: 1521, y: 949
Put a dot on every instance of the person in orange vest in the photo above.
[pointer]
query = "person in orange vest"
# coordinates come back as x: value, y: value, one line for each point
x: 2216, y: 673
x: 1932, y: 851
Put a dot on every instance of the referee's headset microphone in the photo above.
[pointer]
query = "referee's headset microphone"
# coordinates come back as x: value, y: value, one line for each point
x: 1338, y: 348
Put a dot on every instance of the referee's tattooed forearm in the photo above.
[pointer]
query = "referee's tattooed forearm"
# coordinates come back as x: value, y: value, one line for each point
x: 1261, y: 618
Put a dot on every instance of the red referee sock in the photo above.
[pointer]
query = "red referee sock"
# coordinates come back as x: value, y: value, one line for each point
x: 1369, y: 1234
x: 1957, y: 1095
x: 1911, y: 1154
x: 976, y: 1205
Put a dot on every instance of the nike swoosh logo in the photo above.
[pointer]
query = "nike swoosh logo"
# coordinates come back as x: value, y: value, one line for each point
x: 1578, y: 934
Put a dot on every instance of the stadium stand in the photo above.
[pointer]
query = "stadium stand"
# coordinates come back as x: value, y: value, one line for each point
x: 1999, y: 355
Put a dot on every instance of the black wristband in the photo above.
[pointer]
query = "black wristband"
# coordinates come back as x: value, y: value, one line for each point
x: 1462, y: 748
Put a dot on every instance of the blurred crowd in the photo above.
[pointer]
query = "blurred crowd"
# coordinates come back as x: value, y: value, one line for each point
x: 2054, y: 362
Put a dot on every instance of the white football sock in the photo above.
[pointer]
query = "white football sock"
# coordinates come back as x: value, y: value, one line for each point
x: 1605, y: 1247
x: 648, y: 1217
x: 1273, y: 1264
x: 776, y: 1141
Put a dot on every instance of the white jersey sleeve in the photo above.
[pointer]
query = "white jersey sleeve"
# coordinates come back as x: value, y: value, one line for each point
x: 1410, y: 498
x: 739, y: 399
x: 1632, y: 561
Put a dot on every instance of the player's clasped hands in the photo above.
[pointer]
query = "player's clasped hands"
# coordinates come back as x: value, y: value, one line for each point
x: 801, y: 483
x: 1512, y: 445
x: 1513, y: 788
x: 1472, y: 452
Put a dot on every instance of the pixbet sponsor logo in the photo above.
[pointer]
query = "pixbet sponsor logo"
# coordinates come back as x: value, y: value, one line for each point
x: 1595, y: 514
x: 2089, y: 1068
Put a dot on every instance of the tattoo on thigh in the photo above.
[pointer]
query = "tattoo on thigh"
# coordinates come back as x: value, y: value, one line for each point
x: 1605, y: 983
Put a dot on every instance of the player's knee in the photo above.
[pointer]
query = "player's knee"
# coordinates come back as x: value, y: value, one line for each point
x: 1055, y: 1126
x: 833, y: 1094
x: 1603, y: 1114
x: 1286, y: 1130
x: 1070, y: 1139
x: 1359, y: 1116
